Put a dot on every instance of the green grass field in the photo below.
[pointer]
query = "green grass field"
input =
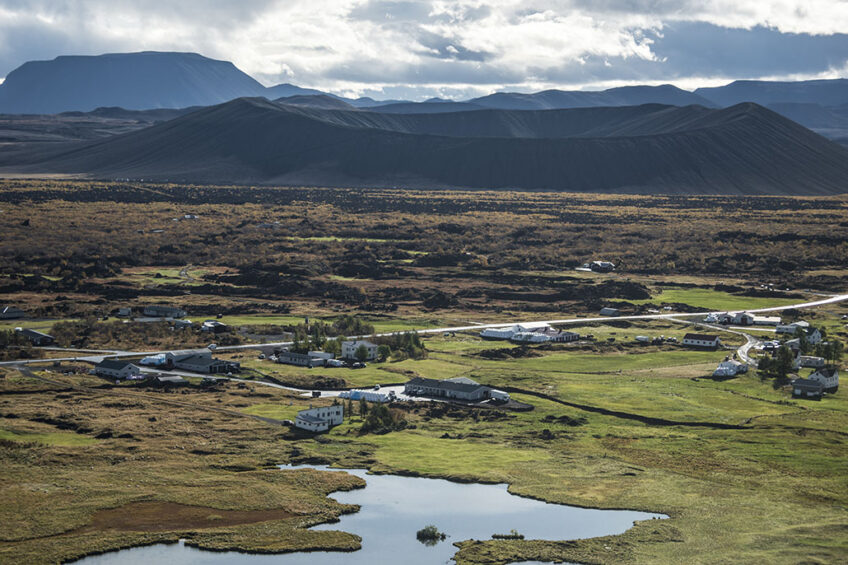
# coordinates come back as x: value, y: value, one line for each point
x: 47, y: 438
x: 714, y: 300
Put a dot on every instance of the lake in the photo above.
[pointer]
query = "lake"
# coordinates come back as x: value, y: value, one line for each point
x: 394, y: 508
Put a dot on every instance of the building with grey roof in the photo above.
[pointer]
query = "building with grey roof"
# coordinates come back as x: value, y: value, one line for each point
x: 459, y: 388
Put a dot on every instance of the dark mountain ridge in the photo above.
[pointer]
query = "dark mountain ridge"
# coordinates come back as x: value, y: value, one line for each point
x: 745, y: 149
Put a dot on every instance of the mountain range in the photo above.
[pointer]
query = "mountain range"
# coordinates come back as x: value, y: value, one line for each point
x: 744, y: 149
x: 149, y: 80
x: 184, y: 117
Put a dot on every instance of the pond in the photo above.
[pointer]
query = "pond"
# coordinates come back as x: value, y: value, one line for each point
x: 394, y: 508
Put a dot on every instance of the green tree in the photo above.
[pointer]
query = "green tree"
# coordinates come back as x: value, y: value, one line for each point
x: 803, y: 340
x: 333, y: 346
x: 784, y: 361
x: 384, y: 352
x: 832, y: 351
x: 361, y: 353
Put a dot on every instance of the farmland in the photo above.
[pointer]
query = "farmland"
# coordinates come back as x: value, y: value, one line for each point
x: 745, y: 472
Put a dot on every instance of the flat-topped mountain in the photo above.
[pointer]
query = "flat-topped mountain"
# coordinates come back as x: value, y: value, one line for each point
x: 133, y: 81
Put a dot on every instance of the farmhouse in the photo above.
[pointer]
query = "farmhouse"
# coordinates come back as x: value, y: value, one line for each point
x: 459, y: 388
x: 828, y: 377
x: 157, y: 311
x: 115, y: 369
x: 509, y: 332
x: 320, y: 419
x: 806, y: 388
x: 10, y: 313
x: 36, y: 338
x: 814, y: 336
x: 349, y: 349
x: 607, y: 311
x: 701, y: 340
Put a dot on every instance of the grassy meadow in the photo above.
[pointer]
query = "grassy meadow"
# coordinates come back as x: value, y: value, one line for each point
x: 746, y: 473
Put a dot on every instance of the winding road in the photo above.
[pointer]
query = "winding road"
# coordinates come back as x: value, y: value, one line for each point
x: 679, y: 317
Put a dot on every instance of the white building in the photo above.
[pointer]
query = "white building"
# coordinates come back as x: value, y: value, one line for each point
x: 367, y: 395
x: 116, y: 369
x: 792, y: 328
x: 742, y: 319
x: 828, y: 377
x: 320, y: 419
x: 730, y: 368
x: 607, y: 311
x: 499, y: 333
x: 809, y: 361
x: 701, y: 340
x: 349, y: 349
x: 507, y: 332
x: 767, y: 320
x: 543, y: 335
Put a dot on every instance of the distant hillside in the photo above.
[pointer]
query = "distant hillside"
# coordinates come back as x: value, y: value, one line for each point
x: 134, y: 81
x: 745, y: 149
x: 823, y: 92
x: 321, y: 101
x: 289, y: 90
x: 624, y: 96
x: 648, y: 119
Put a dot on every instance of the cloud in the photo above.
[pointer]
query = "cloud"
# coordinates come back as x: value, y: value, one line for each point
x: 449, y: 48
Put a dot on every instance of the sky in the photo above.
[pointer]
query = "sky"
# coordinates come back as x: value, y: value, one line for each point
x: 451, y: 49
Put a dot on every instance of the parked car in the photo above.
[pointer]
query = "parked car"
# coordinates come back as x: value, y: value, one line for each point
x: 376, y: 387
x: 358, y: 365
x: 211, y: 347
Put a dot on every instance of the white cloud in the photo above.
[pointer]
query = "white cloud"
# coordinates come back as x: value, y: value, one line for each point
x: 434, y: 47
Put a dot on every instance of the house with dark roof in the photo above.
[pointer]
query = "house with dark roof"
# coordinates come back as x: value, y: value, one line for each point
x: 702, y: 340
x: 36, y: 337
x: 201, y: 363
x: 116, y: 369
x: 459, y: 388
x: 806, y: 388
x: 10, y: 313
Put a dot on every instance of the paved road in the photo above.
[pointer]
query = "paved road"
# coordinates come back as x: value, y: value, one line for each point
x: 566, y: 321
